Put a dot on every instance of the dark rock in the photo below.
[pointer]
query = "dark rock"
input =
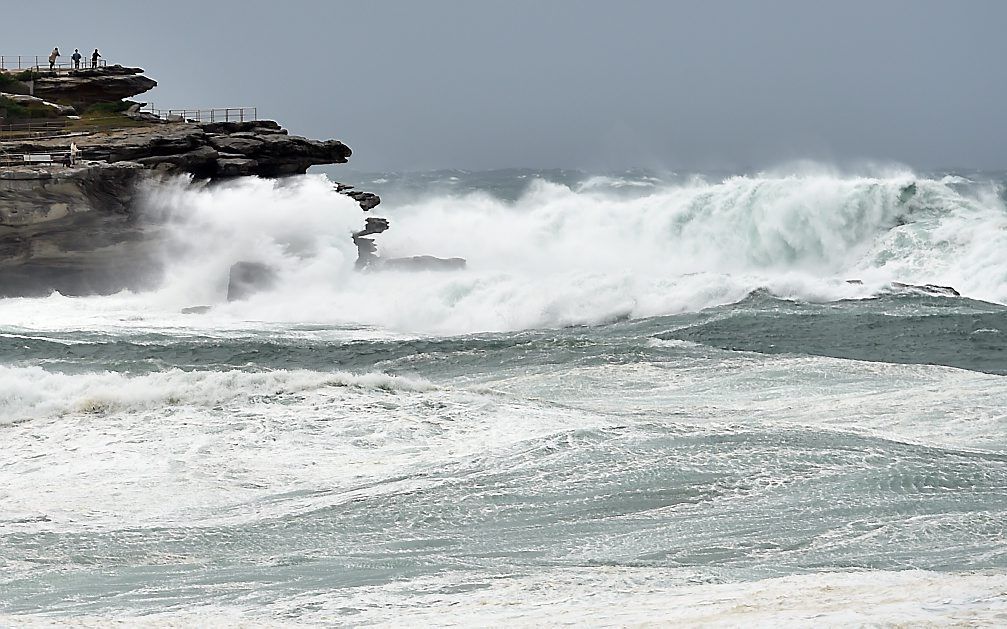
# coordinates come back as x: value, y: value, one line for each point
x: 196, y: 310
x: 926, y: 289
x: 373, y: 225
x: 366, y: 200
x: 201, y: 162
x: 366, y: 249
x: 240, y: 145
x: 233, y: 127
x: 248, y: 278
x: 195, y: 149
x: 236, y: 167
x: 907, y: 193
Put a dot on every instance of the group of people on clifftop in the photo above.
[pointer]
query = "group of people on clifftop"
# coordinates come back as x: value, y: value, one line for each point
x: 75, y: 57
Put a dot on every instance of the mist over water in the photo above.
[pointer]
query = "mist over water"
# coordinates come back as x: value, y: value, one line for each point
x: 648, y: 397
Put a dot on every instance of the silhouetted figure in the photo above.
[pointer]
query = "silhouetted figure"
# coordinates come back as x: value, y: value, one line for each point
x: 52, y: 58
x: 94, y: 58
x: 76, y: 57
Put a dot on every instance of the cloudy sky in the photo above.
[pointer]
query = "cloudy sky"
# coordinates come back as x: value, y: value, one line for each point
x: 417, y: 85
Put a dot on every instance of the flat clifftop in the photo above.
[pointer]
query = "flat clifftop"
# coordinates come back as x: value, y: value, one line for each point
x: 86, y: 107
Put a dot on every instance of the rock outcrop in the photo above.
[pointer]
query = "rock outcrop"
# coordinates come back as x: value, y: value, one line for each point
x: 73, y: 229
x: 248, y: 278
x: 209, y: 150
x: 81, y: 88
x: 367, y: 252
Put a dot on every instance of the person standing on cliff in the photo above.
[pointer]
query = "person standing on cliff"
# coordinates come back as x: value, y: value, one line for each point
x: 76, y: 59
x: 94, y: 58
x: 52, y: 58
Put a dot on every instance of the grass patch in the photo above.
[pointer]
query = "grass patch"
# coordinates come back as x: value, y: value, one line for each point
x: 17, y: 111
x: 107, y: 117
x: 99, y: 121
x: 105, y: 109
x: 9, y: 78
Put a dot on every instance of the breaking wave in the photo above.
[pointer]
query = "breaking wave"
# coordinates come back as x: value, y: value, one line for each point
x: 579, y: 254
x: 28, y: 393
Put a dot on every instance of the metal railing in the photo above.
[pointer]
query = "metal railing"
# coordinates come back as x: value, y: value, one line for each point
x: 46, y: 128
x: 225, y: 114
x: 34, y: 129
x: 27, y: 159
x: 40, y: 63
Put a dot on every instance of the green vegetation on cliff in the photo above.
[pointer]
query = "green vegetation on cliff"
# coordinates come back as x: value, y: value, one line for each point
x: 16, y: 111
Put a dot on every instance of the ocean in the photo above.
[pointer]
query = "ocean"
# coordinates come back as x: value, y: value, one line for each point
x: 650, y: 399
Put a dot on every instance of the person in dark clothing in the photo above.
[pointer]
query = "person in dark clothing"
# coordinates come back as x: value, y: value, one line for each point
x: 94, y: 58
x: 76, y: 57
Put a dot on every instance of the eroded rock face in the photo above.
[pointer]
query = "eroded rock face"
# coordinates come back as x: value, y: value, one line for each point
x: 70, y: 230
x: 32, y: 196
x: 100, y: 85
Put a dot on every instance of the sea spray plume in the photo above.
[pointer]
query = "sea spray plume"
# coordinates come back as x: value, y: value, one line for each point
x: 559, y: 255
x: 298, y: 226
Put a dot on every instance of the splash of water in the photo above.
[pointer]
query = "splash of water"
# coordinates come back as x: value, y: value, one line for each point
x: 571, y: 254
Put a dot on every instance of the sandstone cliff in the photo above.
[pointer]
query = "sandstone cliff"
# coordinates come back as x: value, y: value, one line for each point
x: 211, y: 150
x: 73, y: 229
x: 81, y: 88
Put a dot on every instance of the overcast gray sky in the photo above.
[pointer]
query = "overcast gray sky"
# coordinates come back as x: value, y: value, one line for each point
x: 413, y: 85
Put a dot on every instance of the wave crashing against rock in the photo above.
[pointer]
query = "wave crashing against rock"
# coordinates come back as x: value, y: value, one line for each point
x: 71, y: 228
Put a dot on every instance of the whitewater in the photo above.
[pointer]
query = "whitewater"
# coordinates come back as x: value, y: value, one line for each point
x: 649, y: 398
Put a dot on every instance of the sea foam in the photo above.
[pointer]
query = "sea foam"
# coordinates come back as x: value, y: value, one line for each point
x: 563, y: 254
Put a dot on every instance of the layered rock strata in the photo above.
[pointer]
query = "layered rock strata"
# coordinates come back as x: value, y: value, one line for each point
x: 70, y: 230
x: 73, y: 229
x: 210, y: 150
x: 84, y: 87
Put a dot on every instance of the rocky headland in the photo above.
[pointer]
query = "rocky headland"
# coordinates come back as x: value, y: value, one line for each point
x: 71, y: 226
